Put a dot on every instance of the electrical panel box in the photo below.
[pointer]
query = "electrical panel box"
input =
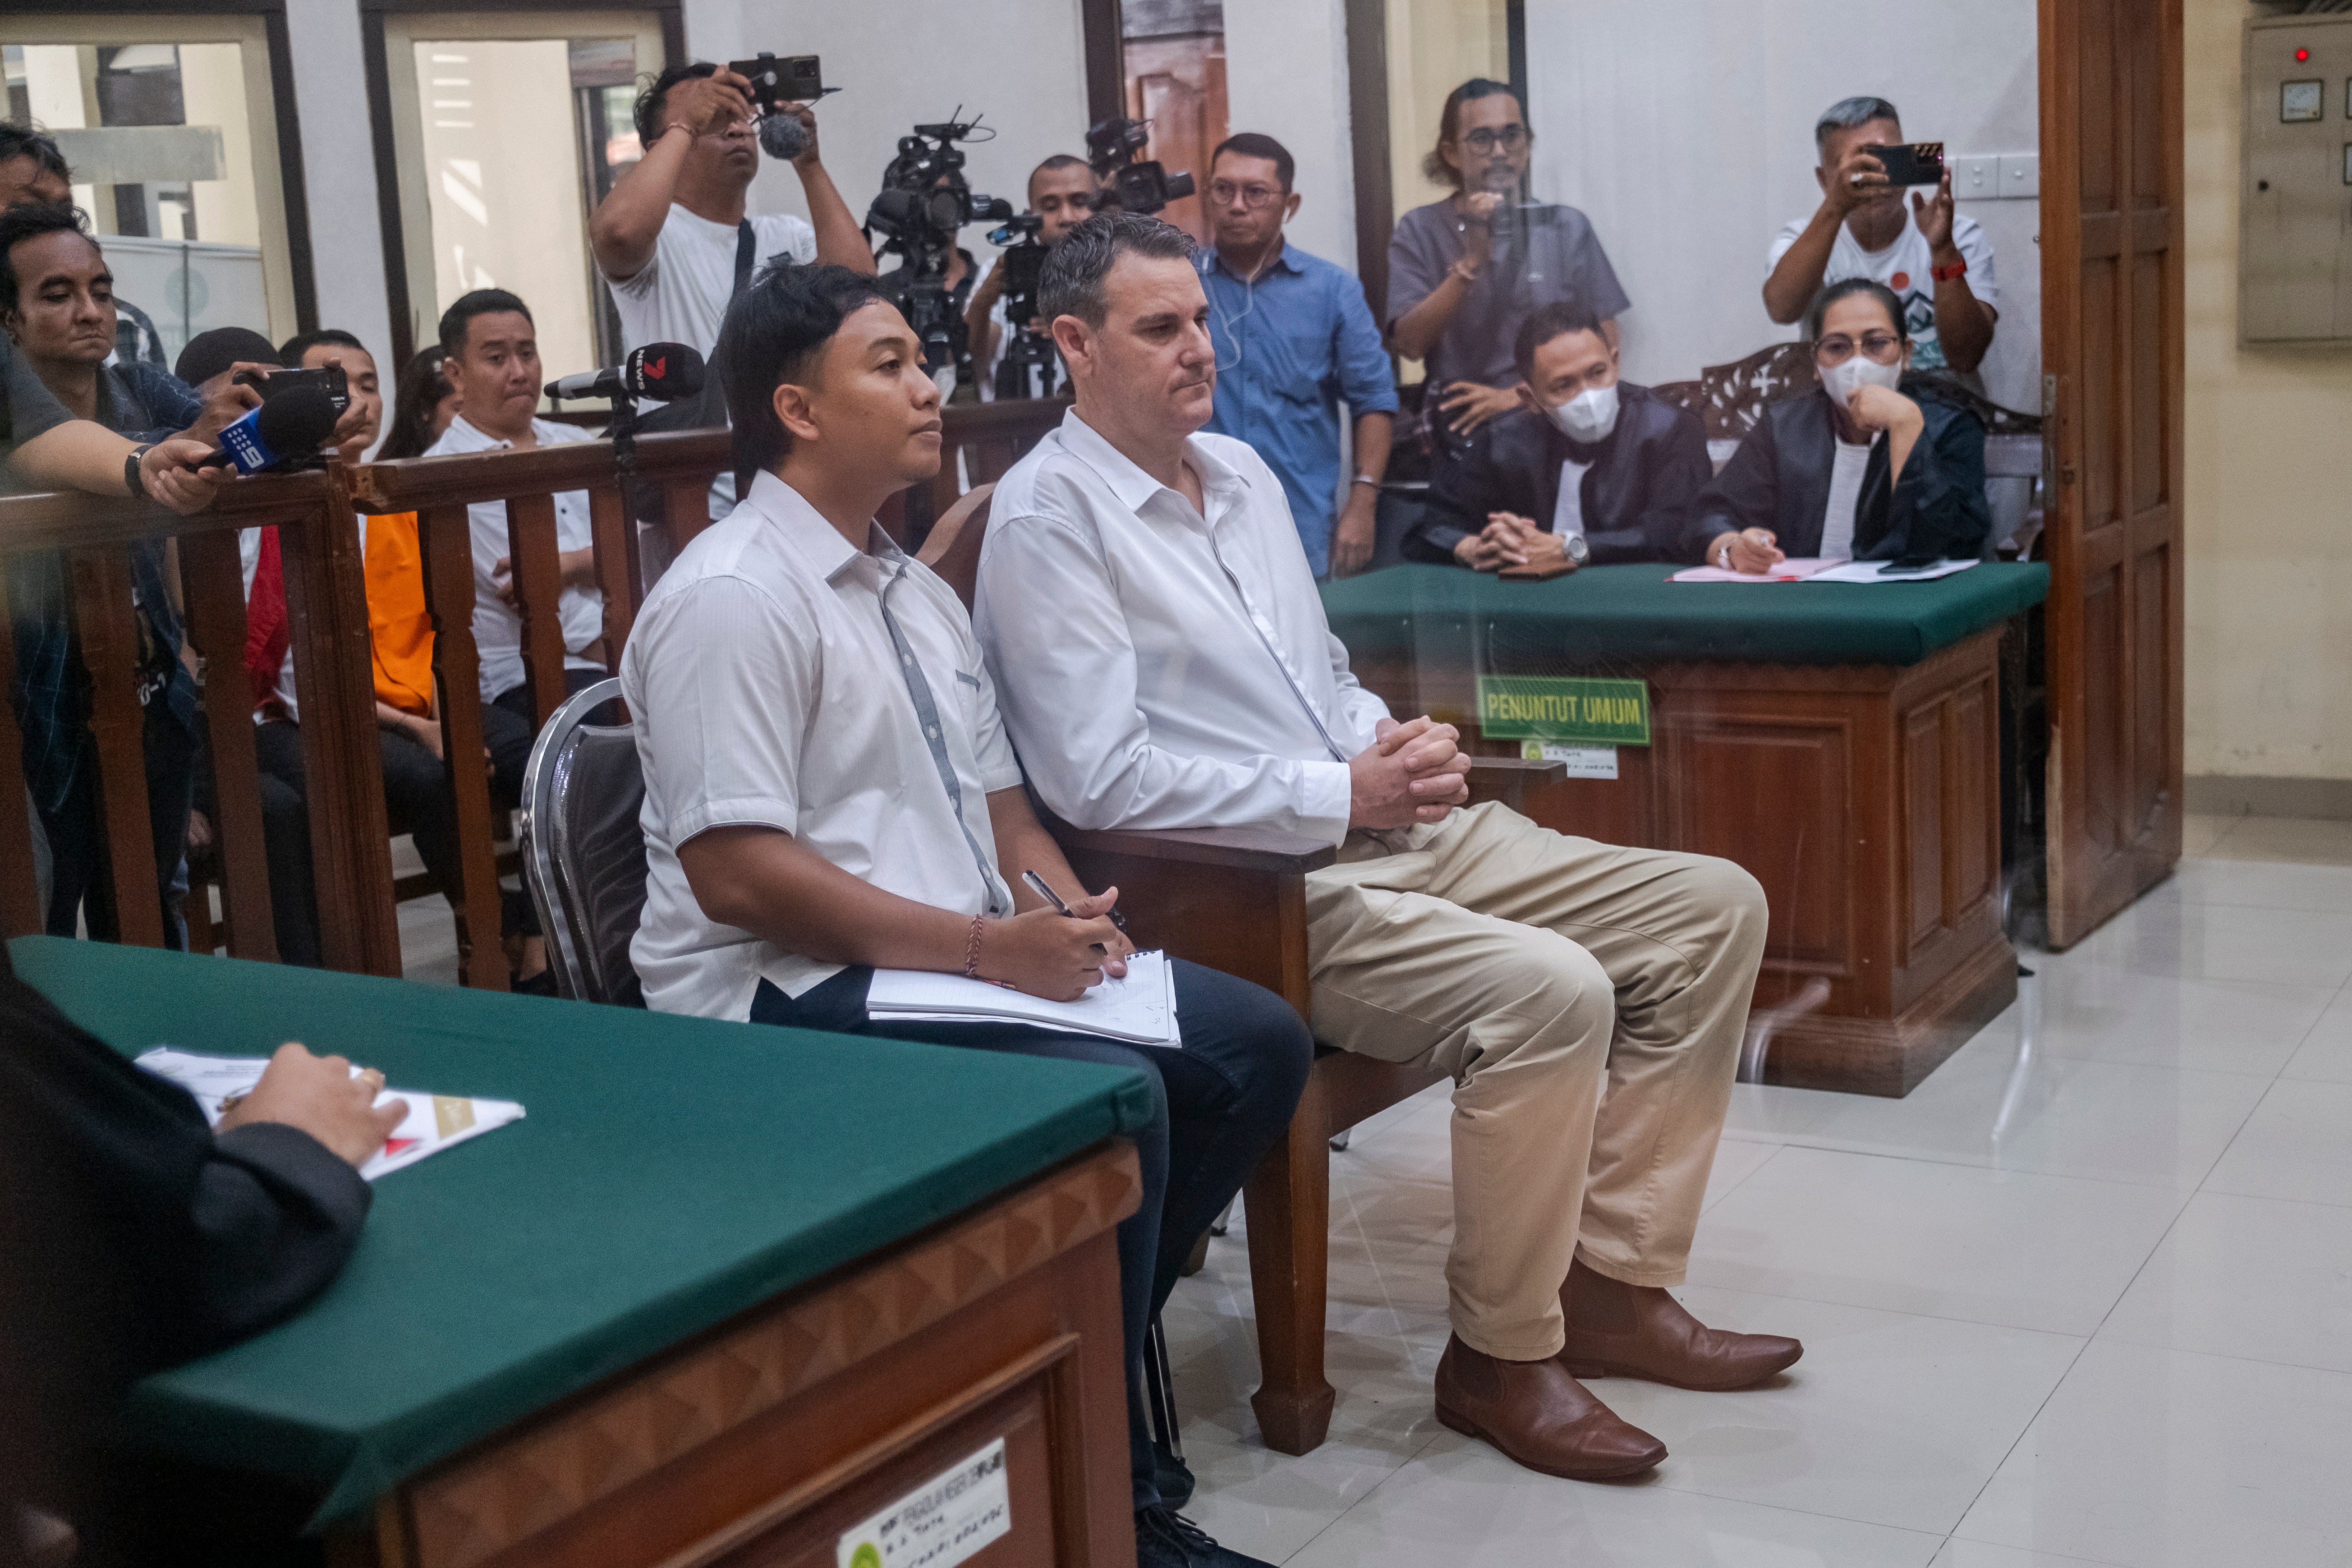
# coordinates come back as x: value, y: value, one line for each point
x: 2295, y: 225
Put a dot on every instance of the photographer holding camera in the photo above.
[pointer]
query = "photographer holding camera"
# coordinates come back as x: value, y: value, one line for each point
x: 1063, y: 193
x: 1938, y: 264
x: 667, y: 238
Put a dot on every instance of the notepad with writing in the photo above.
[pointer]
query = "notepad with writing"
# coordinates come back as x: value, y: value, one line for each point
x: 1139, y: 1009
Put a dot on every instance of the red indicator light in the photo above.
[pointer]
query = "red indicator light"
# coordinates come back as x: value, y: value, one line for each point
x: 2301, y: 55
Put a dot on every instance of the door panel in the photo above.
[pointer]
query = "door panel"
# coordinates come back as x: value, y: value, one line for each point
x: 2112, y: 344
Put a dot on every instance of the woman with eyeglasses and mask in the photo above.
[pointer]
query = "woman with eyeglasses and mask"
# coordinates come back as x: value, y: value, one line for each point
x: 1465, y: 272
x: 1871, y: 466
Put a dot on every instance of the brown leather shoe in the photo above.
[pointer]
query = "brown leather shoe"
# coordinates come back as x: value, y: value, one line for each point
x: 1537, y: 1414
x: 1641, y: 1330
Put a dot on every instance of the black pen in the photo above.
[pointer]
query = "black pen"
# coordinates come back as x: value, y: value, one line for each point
x: 1039, y: 885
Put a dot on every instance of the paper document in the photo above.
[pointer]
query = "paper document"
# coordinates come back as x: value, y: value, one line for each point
x: 1815, y: 569
x: 1874, y: 571
x: 1796, y: 568
x: 1139, y: 1009
x: 434, y: 1123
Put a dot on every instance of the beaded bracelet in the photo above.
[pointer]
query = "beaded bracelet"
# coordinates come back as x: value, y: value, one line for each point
x: 971, y: 947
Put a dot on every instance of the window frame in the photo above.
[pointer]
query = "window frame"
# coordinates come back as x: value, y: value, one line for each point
x: 399, y: 167
x: 279, y: 196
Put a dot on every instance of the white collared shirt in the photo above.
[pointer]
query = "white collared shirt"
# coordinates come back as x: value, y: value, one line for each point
x: 1158, y: 668
x: 768, y: 691
x: 498, y: 629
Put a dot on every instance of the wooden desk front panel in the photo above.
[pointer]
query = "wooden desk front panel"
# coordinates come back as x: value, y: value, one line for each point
x: 1863, y: 797
x: 762, y: 1441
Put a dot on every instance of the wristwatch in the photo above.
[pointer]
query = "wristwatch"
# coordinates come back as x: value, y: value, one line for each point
x: 1946, y: 274
x: 134, y: 481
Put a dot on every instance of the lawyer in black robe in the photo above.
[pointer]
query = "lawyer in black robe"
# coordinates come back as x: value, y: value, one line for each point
x: 132, y: 1237
x: 1635, y: 498
x: 1779, y: 479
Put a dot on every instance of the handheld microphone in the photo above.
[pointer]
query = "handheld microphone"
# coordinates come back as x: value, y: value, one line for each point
x: 661, y: 372
x: 292, y: 424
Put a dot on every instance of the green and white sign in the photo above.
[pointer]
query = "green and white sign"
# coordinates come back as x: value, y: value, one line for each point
x: 1564, y: 708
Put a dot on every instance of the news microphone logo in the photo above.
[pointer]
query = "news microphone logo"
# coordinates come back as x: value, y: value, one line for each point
x: 294, y: 424
x: 660, y: 372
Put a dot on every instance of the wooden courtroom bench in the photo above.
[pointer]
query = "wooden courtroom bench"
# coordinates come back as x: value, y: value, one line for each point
x: 722, y: 1294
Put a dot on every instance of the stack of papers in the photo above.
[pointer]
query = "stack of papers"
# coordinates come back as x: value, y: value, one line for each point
x: 1139, y: 1009
x: 435, y: 1121
x: 1817, y: 569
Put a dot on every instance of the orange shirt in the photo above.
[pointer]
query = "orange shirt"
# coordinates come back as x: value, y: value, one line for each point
x: 401, y: 629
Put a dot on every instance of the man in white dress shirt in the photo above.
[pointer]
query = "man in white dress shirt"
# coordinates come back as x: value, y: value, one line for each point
x: 490, y: 357
x: 1164, y: 661
x: 829, y: 790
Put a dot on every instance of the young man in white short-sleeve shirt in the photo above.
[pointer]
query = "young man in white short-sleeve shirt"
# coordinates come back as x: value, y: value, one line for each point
x: 829, y: 790
x: 1939, y: 264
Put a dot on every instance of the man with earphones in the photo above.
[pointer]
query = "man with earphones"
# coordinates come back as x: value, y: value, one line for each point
x: 1591, y: 467
x: 1294, y: 339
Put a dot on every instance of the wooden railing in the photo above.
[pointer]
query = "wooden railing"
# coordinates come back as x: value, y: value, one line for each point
x: 327, y: 611
x: 334, y: 680
x: 990, y: 437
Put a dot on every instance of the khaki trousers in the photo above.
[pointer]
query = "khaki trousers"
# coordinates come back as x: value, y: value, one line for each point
x: 1589, y: 1001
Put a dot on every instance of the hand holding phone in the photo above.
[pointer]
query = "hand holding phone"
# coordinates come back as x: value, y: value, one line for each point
x: 1911, y: 163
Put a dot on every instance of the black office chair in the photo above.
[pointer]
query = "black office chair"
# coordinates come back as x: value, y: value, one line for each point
x: 583, y: 856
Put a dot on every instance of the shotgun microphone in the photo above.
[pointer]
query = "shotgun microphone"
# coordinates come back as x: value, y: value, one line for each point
x: 292, y: 424
x: 663, y: 373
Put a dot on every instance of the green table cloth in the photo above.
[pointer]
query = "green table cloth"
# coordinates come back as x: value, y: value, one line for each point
x: 669, y: 1172
x: 1634, y: 614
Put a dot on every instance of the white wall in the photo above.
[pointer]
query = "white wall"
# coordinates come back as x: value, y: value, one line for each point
x: 2270, y: 560
x: 1684, y: 128
x: 1286, y: 76
x: 1020, y: 63
x: 339, y: 174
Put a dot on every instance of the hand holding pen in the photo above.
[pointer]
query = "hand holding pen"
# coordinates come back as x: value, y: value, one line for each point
x: 1094, y: 907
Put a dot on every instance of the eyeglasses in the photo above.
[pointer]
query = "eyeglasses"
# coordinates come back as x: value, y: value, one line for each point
x: 1837, y: 348
x: 1510, y: 139
x: 1224, y: 193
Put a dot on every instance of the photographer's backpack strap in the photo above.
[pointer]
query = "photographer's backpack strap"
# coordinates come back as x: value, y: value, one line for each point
x: 746, y: 242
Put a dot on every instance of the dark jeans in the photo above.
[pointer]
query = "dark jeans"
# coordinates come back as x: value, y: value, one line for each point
x: 1220, y: 1103
x: 82, y: 875
x: 508, y: 732
x: 416, y: 801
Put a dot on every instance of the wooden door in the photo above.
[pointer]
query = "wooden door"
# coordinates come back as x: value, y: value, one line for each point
x: 1177, y: 82
x: 2111, y: 257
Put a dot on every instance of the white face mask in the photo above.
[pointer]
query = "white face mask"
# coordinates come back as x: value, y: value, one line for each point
x: 1841, y: 381
x: 1589, y: 415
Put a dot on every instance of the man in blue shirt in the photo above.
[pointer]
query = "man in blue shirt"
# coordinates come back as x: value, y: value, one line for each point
x: 1294, y: 338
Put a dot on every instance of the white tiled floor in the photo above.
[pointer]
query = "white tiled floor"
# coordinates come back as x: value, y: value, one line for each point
x: 2084, y: 1302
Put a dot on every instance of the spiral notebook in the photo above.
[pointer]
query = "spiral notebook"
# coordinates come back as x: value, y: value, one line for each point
x: 1139, y: 1009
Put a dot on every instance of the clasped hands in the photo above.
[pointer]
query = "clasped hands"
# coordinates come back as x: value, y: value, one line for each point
x: 1411, y: 773
x: 1509, y: 540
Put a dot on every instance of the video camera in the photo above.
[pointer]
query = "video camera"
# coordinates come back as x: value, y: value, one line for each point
x: 1027, y: 368
x: 1115, y: 151
x: 925, y: 200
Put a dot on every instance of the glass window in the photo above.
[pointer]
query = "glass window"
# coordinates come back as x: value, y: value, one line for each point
x: 508, y: 130
x: 168, y: 127
x: 1433, y: 47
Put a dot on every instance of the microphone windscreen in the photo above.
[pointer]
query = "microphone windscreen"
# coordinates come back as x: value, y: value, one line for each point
x: 783, y: 136
x: 296, y: 421
x: 664, y: 372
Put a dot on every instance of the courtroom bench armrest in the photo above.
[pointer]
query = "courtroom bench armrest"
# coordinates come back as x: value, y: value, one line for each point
x: 1261, y: 849
x: 1505, y: 779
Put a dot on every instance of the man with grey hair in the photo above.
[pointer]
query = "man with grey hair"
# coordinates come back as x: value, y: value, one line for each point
x: 1162, y: 661
x: 1939, y: 264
